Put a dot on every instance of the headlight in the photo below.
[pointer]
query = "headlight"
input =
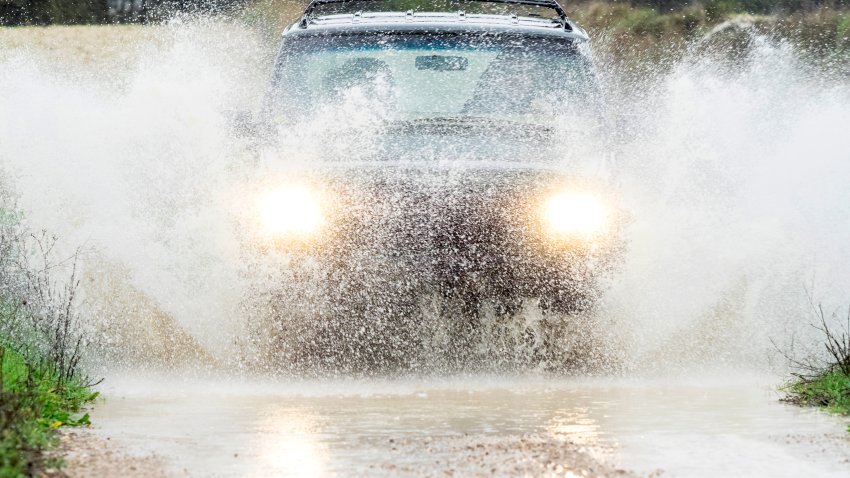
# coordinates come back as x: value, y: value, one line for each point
x: 292, y: 210
x: 575, y: 213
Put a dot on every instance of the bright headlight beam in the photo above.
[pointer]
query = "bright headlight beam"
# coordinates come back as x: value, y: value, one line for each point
x: 575, y: 213
x: 292, y: 210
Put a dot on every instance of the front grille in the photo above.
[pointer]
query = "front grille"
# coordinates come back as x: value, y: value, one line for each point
x: 433, y: 213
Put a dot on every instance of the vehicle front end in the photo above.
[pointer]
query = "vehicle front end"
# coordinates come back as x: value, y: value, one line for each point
x: 424, y: 154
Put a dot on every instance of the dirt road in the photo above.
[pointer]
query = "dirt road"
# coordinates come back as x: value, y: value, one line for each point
x: 481, y: 427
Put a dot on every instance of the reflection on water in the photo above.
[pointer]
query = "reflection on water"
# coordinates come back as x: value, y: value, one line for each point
x: 714, y: 428
x: 581, y: 428
x: 287, y: 442
x: 576, y: 424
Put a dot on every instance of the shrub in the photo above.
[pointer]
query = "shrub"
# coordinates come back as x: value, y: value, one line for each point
x: 41, y: 386
x: 825, y: 382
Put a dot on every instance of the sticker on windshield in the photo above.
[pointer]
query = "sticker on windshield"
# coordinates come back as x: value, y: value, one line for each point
x: 441, y: 63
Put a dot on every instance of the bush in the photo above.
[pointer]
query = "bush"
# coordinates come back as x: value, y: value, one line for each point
x: 825, y: 382
x: 45, y: 12
x: 34, y: 402
x: 41, y: 386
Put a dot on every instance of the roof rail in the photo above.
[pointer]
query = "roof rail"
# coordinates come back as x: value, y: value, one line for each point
x: 553, y: 4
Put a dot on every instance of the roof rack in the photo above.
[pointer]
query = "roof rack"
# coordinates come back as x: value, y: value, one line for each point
x: 553, y: 4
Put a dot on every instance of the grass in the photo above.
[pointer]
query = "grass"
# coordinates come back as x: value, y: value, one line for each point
x: 34, y: 402
x: 830, y: 390
x: 825, y: 383
x: 41, y: 344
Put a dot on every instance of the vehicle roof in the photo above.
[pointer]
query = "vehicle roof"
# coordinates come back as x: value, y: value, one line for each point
x: 450, y: 22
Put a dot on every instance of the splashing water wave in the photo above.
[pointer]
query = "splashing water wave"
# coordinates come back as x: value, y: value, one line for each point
x: 734, y: 173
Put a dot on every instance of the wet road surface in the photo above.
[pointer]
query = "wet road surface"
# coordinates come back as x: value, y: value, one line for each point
x: 463, y: 427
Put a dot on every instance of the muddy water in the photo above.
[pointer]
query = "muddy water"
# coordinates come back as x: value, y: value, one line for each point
x: 737, y: 185
x: 709, y: 428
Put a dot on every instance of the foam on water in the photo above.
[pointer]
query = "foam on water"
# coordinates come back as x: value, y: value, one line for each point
x: 735, y: 177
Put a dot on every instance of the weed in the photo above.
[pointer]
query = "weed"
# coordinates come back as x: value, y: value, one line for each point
x: 825, y: 382
x: 41, y: 387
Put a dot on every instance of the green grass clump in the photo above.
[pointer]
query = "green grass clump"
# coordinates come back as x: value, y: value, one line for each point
x: 41, y: 346
x: 825, y: 383
x: 34, y: 402
x: 830, y: 390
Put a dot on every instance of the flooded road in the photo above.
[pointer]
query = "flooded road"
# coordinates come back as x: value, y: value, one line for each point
x: 730, y: 219
x: 477, y: 427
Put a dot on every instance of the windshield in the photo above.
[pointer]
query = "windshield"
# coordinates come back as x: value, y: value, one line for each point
x: 427, y: 76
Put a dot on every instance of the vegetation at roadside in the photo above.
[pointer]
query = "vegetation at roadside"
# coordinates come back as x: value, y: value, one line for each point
x: 826, y: 27
x: 664, y: 27
x: 34, y: 402
x: 654, y: 17
x: 43, y: 12
x: 41, y: 345
x: 825, y: 382
x: 67, y: 12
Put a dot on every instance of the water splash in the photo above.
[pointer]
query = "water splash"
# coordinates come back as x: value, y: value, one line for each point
x: 734, y: 175
x: 135, y: 164
x: 736, y: 184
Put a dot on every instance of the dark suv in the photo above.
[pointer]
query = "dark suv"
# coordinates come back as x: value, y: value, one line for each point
x: 458, y: 155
